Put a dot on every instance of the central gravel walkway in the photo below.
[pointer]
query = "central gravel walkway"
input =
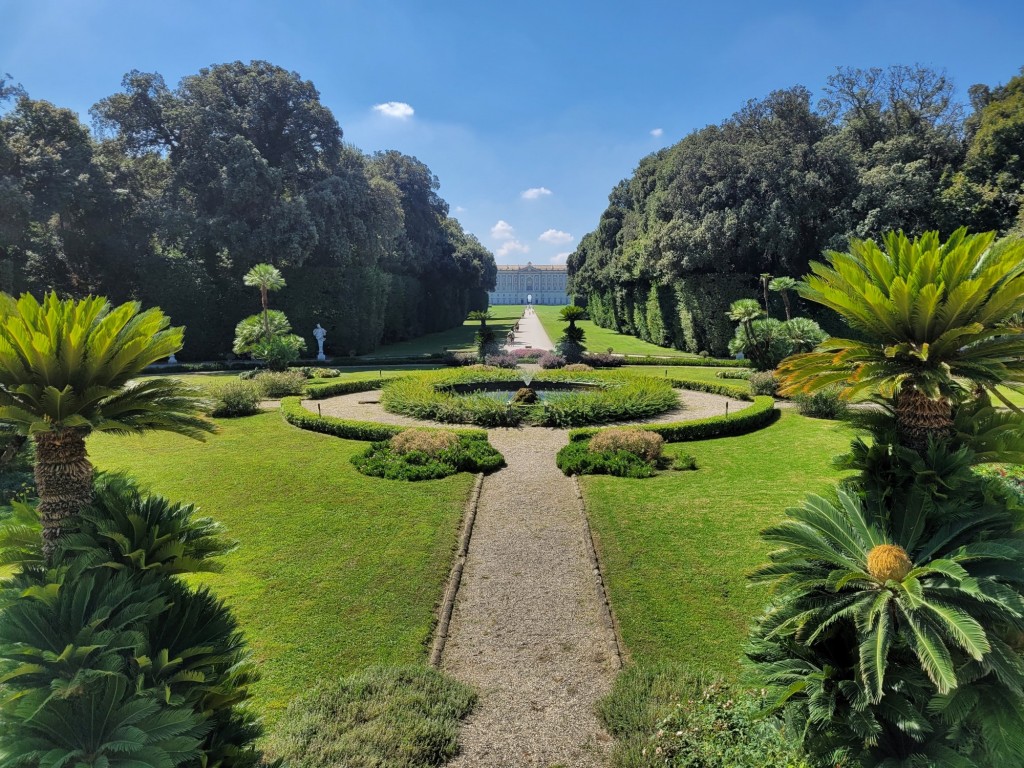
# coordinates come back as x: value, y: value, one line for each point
x: 531, y: 334
x: 528, y: 631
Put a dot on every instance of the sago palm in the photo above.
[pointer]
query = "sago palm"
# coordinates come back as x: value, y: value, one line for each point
x: 267, y: 278
x: 937, y: 322
x: 883, y: 623
x: 67, y: 368
x: 784, y: 285
x: 570, y: 314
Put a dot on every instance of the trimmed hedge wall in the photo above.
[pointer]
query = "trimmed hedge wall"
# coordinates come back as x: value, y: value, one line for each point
x: 334, y: 387
x: 762, y: 413
x: 726, y: 390
x: 369, y: 431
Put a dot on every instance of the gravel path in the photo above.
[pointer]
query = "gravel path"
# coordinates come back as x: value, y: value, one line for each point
x: 528, y: 630
x: 530, y: 334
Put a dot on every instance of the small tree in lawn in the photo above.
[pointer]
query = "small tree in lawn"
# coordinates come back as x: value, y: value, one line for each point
x: 570, y: 346
x: 784, y: 285
x: 485, y: 338
x: 267, y: 278
x: 70, y: 367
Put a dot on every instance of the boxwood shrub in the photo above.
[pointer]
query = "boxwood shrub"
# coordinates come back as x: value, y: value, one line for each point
x: 697, y: 362
x: 472, y: 453
x: 577, y: 459
x: 349, y: 429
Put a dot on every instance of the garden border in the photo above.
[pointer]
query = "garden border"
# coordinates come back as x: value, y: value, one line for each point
x: 451, y: 591
x: 348, y: 429
x: 762, y: 413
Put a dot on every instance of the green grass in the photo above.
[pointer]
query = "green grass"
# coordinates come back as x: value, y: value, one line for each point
x: 691, y: 372
x: 600, y: 339
x: 334, y: 570
x: 675, y: 549
x: 456, y: 339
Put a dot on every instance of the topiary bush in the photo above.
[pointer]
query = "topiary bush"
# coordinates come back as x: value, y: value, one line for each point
x: 550, y: 361
x: 643, y: 443
x: 764, y: 383
x: 469, y: 453
x: 605, y: 360
x: 277, y: 384
x: 381, y: 717
x: 236, y: 398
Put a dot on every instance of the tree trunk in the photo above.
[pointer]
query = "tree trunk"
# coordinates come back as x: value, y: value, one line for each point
x: 266, y: 315
x: 63, y: 481
x: 785, y: 301
x: 919, y: 417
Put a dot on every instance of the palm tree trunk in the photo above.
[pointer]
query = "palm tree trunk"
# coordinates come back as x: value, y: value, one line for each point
x: 63, y: 481
x: 266, y: 316
x: 785, y: 301
x: 919, y: 417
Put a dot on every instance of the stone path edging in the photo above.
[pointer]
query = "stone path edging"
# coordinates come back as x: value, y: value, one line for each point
x: 617, y: 646
x: 455, y: 576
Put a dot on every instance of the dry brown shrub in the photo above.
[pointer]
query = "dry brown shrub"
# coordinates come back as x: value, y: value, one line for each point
x: 578, y: 367
x: 430, y: 441
x: 640, y: 442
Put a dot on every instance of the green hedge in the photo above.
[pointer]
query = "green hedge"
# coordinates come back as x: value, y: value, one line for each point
x: 473, y: 453
x: 713, y: 388
x: 762, y: 413
x: 696, y: 362
x: 349, y: 429
x: 335, y: 387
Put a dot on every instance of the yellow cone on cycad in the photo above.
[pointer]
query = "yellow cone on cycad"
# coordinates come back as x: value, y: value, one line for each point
x: 889, y: 561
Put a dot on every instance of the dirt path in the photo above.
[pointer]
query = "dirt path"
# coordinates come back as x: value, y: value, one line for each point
x: 528, y: 631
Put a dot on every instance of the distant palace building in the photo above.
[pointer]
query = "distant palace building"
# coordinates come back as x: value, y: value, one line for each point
x: 519, y: 282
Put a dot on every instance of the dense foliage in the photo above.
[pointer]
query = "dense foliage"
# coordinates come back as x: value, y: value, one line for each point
x: 894, y: 633
x: 761, y: 194
x: 181, y: 191
x: 110, y: 658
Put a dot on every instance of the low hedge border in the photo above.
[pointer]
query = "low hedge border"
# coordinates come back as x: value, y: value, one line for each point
x: 696, y: 362
x: 726, y: 390
x: 335, y: 387
x: 349, y: 429
x: 762, y: 413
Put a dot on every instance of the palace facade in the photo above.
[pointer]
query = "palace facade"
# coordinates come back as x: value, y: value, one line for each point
x: 523, y: 283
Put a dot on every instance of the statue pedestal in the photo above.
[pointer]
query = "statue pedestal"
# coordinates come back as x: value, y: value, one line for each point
x: 321, y: 356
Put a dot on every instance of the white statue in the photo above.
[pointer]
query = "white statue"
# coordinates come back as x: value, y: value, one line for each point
x: 320, y: 334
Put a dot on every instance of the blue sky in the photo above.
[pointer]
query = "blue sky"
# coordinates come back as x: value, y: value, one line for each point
x: 562, y: 98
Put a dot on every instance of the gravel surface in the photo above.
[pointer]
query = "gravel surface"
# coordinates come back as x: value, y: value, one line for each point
x: 528, y: 631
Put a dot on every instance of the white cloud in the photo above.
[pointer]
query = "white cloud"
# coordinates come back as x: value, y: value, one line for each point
x: 534, y: 193
x: 397, y: 109
x: 459, y: 209
x: 509, y: 247
x: 560, y: 258
x: 657, y: 132
x: 503, y: 230
x: 555, y: 237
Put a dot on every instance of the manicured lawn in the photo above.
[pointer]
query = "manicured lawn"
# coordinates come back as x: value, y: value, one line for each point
x: 600, y: 339
x: 334, y: 570
x: 675, y: 548
x: 456, y: 339
x: 692, y: 372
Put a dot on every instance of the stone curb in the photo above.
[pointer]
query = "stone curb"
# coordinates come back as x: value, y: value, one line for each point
x: 455, y: 576
x: 616, y: 646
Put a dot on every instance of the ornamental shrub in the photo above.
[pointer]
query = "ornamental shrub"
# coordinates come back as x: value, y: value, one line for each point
x: 278, y: 351
x: 430, y: 441
x: 276, y: 384
x: 550, y: 360
x: 577, y: 459
x: 764, y: 383
x: 645, y: 444
x: 822, y: 404
x: 502, y: 361
x: 578, y: 367
x: 603, y: 360
x: 236, y: 398
x: 110, y: 655
x: 470, y: 453
x: 739, y: 373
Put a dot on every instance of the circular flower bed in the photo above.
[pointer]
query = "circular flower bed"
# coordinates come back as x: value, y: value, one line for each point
x: 565, y: 399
